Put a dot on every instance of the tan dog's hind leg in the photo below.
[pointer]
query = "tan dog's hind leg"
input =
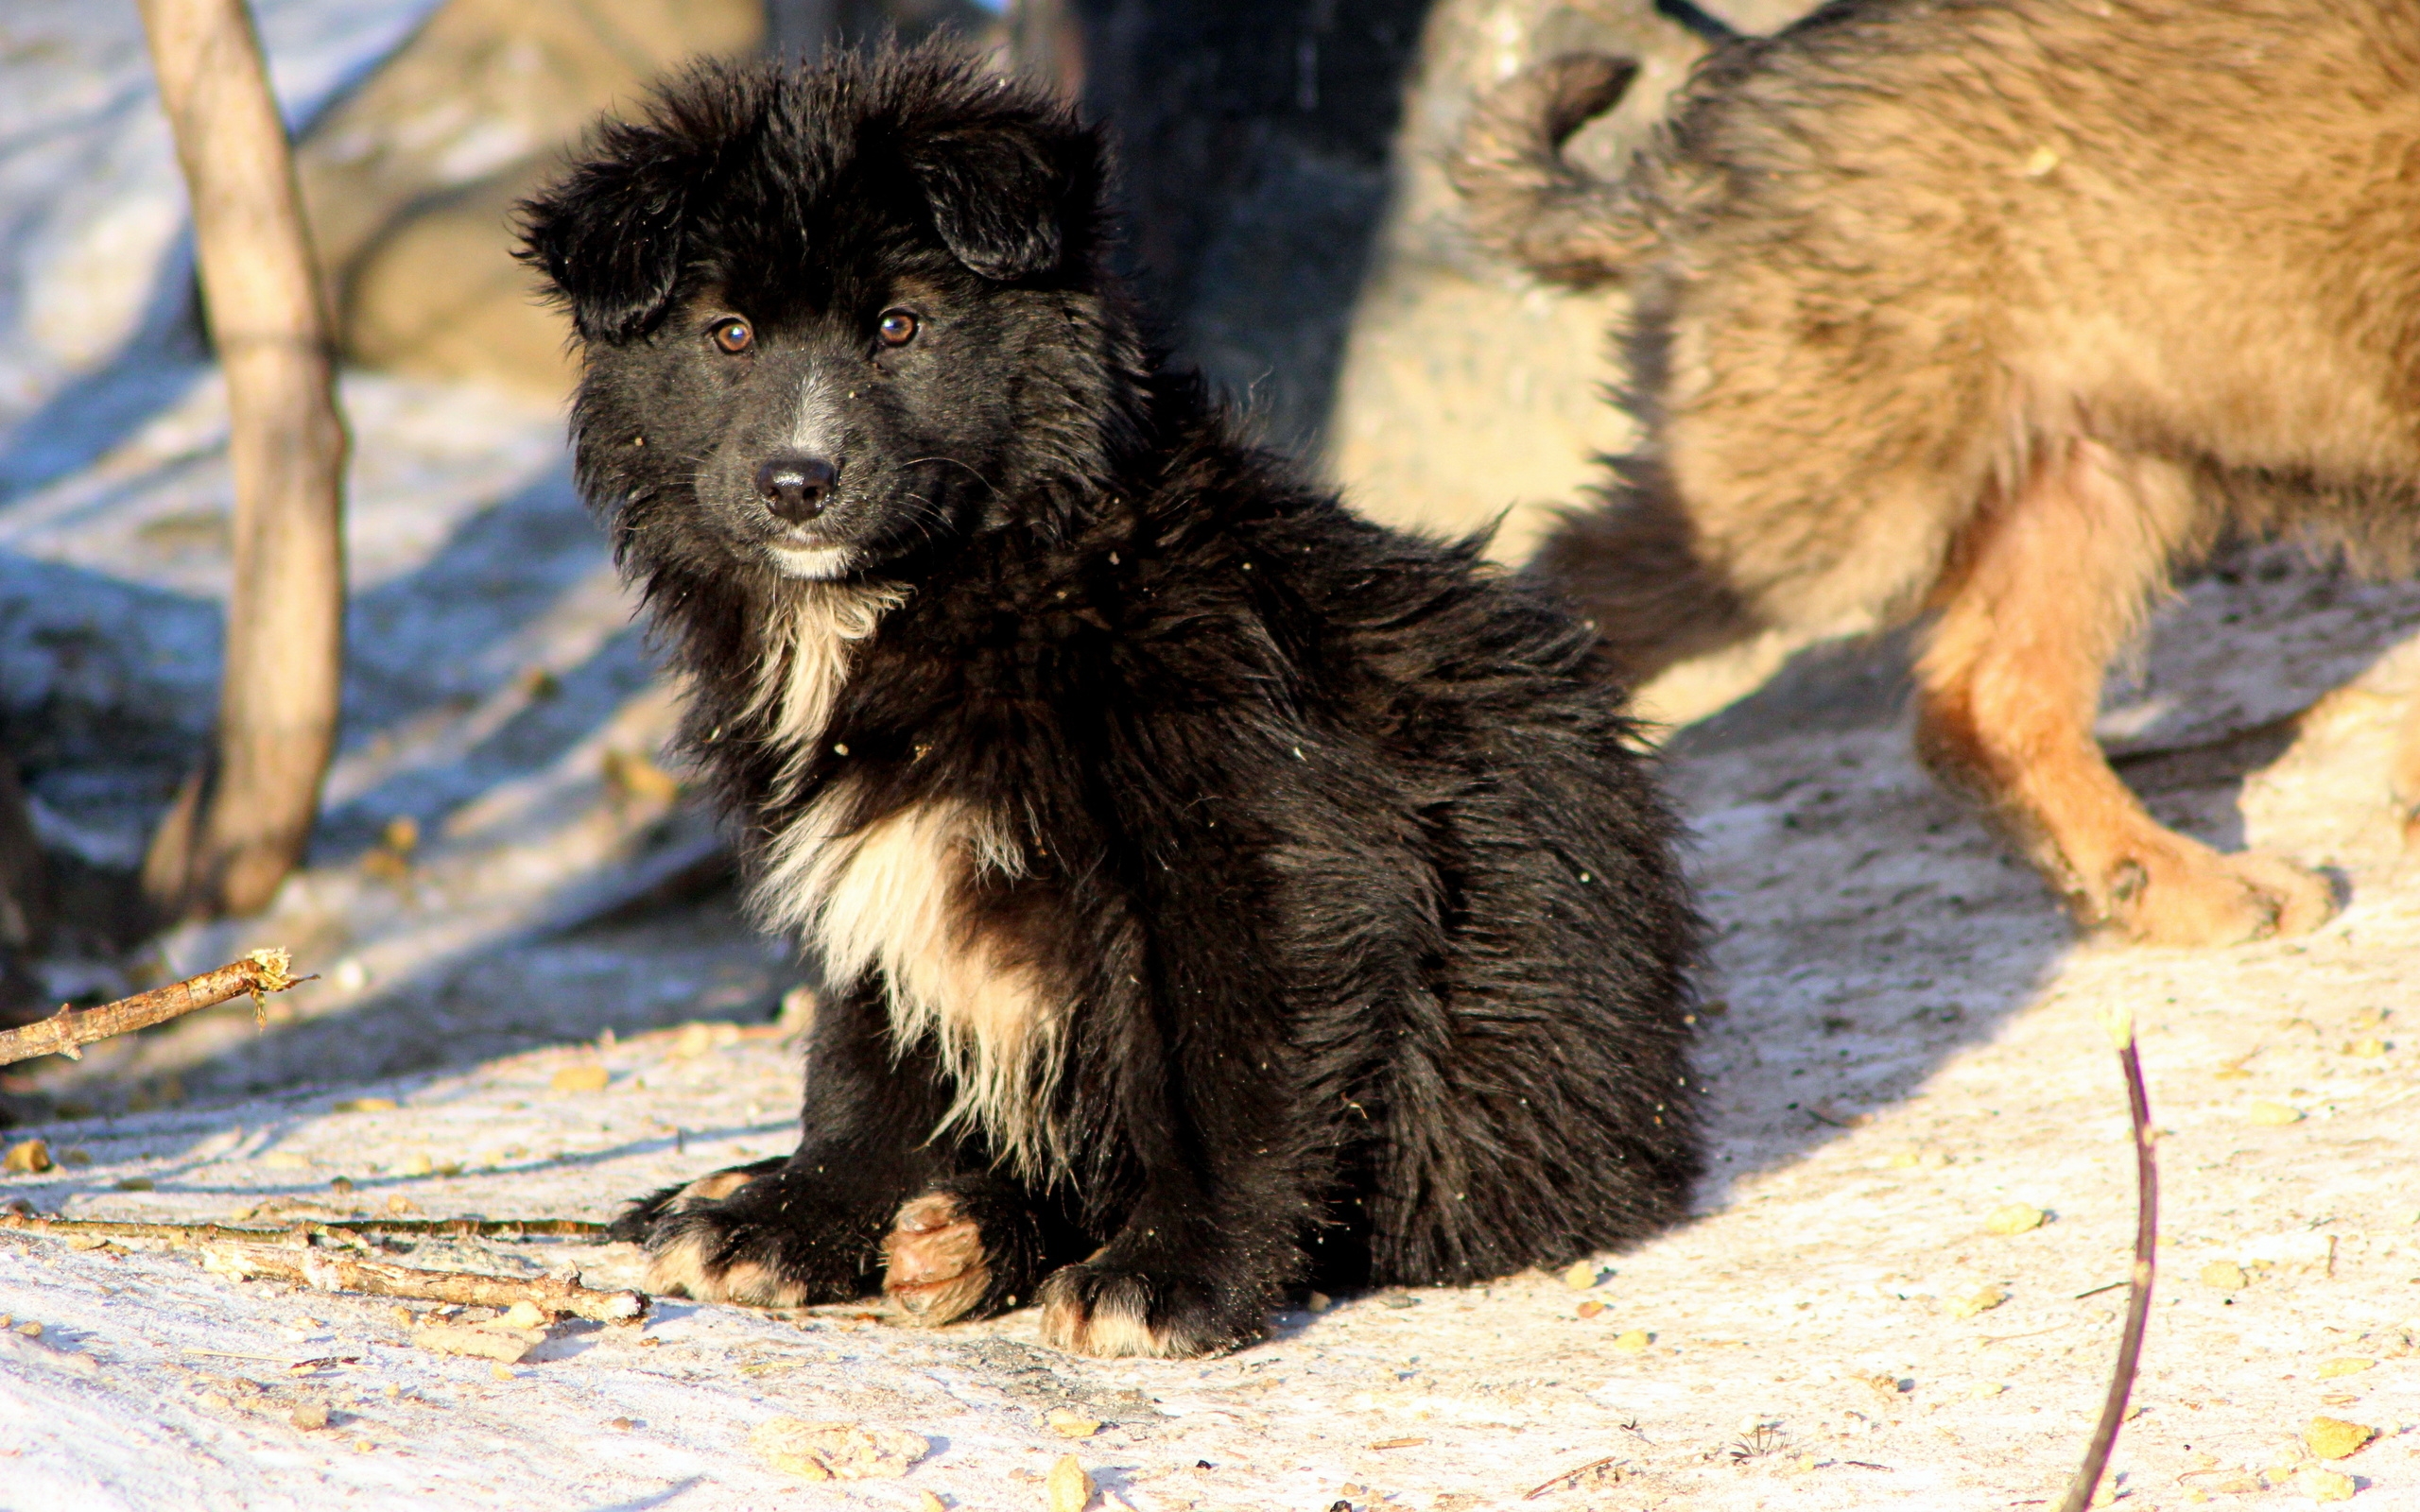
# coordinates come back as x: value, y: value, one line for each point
x: 2044, y: 590
x: 2407, y: 776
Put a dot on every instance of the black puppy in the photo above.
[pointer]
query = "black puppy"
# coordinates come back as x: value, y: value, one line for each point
x: 1216, y: 891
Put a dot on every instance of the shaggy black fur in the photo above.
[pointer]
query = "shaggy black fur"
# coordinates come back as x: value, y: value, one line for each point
x: 1337, y: 923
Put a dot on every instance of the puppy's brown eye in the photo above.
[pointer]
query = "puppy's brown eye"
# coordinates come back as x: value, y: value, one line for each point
x: 897, y: 329
x: 733, y: 336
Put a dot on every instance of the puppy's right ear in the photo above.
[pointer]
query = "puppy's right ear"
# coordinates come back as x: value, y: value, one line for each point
x: 610, y: 235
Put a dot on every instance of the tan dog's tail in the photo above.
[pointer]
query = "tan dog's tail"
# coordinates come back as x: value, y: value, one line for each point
x: 1527, y: 203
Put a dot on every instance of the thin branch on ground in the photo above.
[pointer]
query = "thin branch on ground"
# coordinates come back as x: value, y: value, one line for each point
x: 257, y: 974
x: 333, y: 1270
x: 188, y: 1234
x: 1572, y: 1474
x: 2120, y: 1025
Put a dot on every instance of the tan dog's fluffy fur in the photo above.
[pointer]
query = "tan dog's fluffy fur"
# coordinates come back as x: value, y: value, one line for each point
x: 1999, y: 310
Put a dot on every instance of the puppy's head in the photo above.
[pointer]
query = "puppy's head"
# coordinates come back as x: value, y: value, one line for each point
x: 836, y: 319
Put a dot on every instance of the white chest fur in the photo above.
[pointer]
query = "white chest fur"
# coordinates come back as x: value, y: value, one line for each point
x: 892, y: 897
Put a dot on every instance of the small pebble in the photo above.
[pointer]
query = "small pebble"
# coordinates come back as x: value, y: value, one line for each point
x: 2322, y: 1485
x: 1591, y: 1307
x: 1071, y: 1425
x: 365, y: 1105
x: 1981, y: 1299
x: 1068, y: 1489
x: 2273, y: 1115
x: 2351, y: 1364
x: 1633, y: 1341
x: 2334, y: 1438
x: 309, y: 1414
x: 586, y: 1079
x: 1582, y: 1275
x: 27, y: 1155
x: 2015, y: 1218
x: 2225, y: 1275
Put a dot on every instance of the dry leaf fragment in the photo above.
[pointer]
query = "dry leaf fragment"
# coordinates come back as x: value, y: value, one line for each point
x: 588, y: 1079
x: 485, y: 1342
x: 2322, y: 1485
x: 2015, y: 1218
x: 1981, y: 1299
x: 2351, y: 1364
x: 1068, y: 1489
x: 1633, y: 1341
x: 1582, y: 1275
x: 2334, y: 1438
x: 835, y: 1452
x: 27, y: 1155
x: 2273, y: 1115
x: 1071, y: 1425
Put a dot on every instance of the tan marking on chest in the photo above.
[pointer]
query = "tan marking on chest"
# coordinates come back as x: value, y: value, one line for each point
x: 892, y: 897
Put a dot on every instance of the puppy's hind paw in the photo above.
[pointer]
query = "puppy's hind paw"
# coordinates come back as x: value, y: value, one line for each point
x: 934, y: 1266
x: 642, y: 1217
x: 746, y: 1235
x: 1096, y: 1308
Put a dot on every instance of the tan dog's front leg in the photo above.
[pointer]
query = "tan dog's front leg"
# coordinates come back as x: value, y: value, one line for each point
x: 2044, y: 588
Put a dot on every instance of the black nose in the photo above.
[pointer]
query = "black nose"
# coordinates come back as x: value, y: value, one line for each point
x: 796, y: 488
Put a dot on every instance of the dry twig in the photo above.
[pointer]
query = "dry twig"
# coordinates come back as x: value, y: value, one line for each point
x: 189, y: 1234
x: 2138, y: 1304
x: 259, y: 972
x: 1566, y: 1477
x: 330, y: 1270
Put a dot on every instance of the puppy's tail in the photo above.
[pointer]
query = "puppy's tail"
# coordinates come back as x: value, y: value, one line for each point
x: 1527, y: 203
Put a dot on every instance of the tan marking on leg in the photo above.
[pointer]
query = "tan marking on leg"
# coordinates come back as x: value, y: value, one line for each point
x: 713, y: 1188
x: 1112, y: 1326
x: 934, y: 1265
x: 2045, y: 589
x: 679, y: 1269
x: 752, y: 1284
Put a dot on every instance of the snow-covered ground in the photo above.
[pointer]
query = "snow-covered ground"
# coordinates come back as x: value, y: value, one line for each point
x: 1907, y: 1040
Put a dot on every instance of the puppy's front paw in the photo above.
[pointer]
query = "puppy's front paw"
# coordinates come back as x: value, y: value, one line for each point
x: 959, y: 1253
x: 1101, y: 1309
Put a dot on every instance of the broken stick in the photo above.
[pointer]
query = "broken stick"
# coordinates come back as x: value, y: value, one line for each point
x: 330, y: 1270
x: 188, y: 1234
x: 258, y: 972
x: 2121, y: 1025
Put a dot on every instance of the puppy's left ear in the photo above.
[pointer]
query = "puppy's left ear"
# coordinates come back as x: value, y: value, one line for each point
x: 1008, y: 199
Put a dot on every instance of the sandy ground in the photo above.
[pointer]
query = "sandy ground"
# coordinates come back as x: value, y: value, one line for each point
x: 1907, y: 1043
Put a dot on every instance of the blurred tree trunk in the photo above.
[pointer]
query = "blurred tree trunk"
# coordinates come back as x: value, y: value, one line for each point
x: 240, y: 824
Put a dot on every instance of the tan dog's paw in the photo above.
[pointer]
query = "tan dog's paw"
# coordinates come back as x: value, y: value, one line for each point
x: 933, y: 1262
x: 2191, y: 896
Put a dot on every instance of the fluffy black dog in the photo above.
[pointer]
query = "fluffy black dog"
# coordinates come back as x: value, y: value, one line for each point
x: 1217, y: 892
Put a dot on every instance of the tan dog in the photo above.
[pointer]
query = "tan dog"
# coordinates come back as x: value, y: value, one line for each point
x: 1999, y: 310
